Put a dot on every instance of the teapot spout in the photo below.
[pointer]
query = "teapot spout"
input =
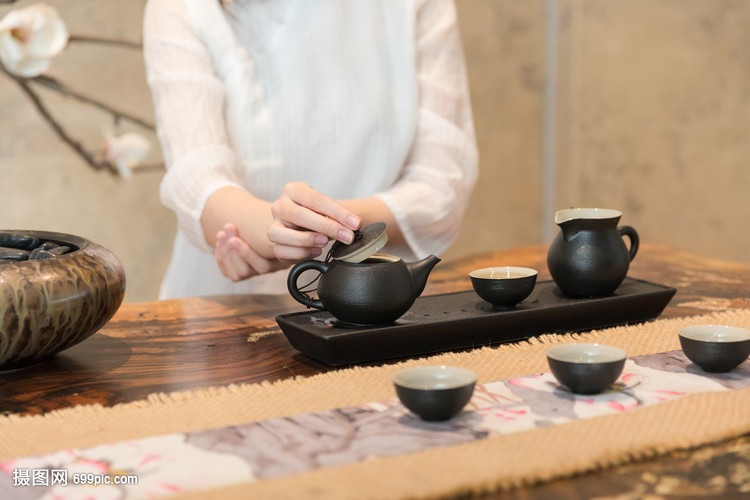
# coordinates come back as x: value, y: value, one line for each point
x: 419, y: 272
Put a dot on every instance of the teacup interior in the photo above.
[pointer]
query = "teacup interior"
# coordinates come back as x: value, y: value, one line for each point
x: 434, y: 377
x: 495, y: 273
x: 586, y: 353
x: 585, y: 213
x: 715, y: 333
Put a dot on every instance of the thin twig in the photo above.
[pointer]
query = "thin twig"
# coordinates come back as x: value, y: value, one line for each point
x: 149, y: 167
x: 54, y: 84
x: 56, y: 126
x: 106, y: 41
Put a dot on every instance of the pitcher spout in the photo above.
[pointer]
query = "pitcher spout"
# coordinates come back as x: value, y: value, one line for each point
x: 419, y: 271
x: 569, y: 229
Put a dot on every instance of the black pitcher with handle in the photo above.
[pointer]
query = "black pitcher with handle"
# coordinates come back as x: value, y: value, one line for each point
x: 589, y: 257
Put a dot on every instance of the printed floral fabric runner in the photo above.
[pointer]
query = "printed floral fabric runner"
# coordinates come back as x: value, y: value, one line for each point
x: 167, y: 465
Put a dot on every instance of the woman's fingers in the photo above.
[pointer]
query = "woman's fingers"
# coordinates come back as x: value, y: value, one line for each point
x: 287, y: 253
x: 253, y: 263
x: 301, y: 207
x: 231, y: 230
x: 220, y: 254
x: 230, y: 265
x: 295, y: 245
x: 304, y: 195
x: 280, y: 234
x: 240, y: 268
x: 236, y: 259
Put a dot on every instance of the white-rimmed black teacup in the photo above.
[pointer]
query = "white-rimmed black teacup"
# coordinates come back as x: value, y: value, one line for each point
x: 715, y: 348
x: 503, y: 286
x: 586, y: 368
x: 435, y: 392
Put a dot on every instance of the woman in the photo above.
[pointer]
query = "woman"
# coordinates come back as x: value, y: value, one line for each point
x: 286, y: 123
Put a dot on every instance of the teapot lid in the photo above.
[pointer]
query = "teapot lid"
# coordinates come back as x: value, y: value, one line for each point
x: 366, y: 242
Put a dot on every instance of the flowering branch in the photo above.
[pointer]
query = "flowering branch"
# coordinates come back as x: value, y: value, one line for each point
x: 107, y: 41
x: 56, y: 126
x: 29, y: 38
x: 53, y: 84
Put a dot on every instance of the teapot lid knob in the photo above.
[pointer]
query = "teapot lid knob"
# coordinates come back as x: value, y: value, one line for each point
x: 366, y: 242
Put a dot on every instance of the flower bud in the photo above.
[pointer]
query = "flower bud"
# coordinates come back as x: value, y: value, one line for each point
x: 29, y: 38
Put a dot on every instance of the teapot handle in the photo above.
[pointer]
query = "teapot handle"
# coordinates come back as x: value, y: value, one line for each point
x: 632, y: 234
x: 291, y: 282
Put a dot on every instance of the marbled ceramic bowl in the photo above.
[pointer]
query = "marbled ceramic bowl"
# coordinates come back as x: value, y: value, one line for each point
x: 435, y: 392
x: 586, y: 368
x: 715, y: 348
x: 51, y: 304
x: 503, y: 286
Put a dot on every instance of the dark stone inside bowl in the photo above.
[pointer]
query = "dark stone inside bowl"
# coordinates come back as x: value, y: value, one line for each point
x: 586, y: 375
x: 51, y: 304
x: 711, y: 348
x: 435, y: 393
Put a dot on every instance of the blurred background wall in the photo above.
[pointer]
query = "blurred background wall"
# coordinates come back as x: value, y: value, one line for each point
x: 639, y: 105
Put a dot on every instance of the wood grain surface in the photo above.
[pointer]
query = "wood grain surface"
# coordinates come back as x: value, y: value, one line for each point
x: 172, y: 345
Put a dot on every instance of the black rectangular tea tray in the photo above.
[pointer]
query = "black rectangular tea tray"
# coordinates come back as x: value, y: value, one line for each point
x: 461, y: 320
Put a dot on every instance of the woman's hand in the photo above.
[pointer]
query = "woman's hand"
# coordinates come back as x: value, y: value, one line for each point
x: 301, y: 222
x: 236, y: 259
x: 304, y: 220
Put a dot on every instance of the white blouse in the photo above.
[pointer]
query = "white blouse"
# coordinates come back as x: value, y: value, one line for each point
x: 355, y: 97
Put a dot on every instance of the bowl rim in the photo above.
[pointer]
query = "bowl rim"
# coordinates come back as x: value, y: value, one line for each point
x: 79, y: 242
x: 571, y: 353
x: 462, y: 377
x: 526, y: 272
x: 717, y: 334
x: 567, y: 214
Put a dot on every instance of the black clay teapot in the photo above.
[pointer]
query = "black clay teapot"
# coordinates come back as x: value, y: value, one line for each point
x: 588, y: 257
x: 360, y: 286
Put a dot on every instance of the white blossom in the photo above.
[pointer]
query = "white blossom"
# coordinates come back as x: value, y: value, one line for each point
x: 126, y: 152
x: 30, y: 37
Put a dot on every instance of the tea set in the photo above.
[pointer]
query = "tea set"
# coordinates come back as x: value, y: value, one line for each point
x: 360, y: 286
x: 588, y: 258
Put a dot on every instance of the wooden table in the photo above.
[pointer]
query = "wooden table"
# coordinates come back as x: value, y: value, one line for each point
x: 173, y: 345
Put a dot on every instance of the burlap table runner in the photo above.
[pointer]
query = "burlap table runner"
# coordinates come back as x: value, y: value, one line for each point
x: 491, y: 464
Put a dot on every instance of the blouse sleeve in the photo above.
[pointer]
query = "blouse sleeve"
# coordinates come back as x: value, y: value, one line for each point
x: 189, y: 108
x: 430, y: 198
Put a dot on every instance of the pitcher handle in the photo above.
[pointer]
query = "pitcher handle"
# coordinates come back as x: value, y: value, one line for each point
x: 291, y: 282
x: 632, y: 234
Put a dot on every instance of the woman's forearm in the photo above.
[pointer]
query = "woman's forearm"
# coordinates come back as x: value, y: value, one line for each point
x: 251, y: 215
